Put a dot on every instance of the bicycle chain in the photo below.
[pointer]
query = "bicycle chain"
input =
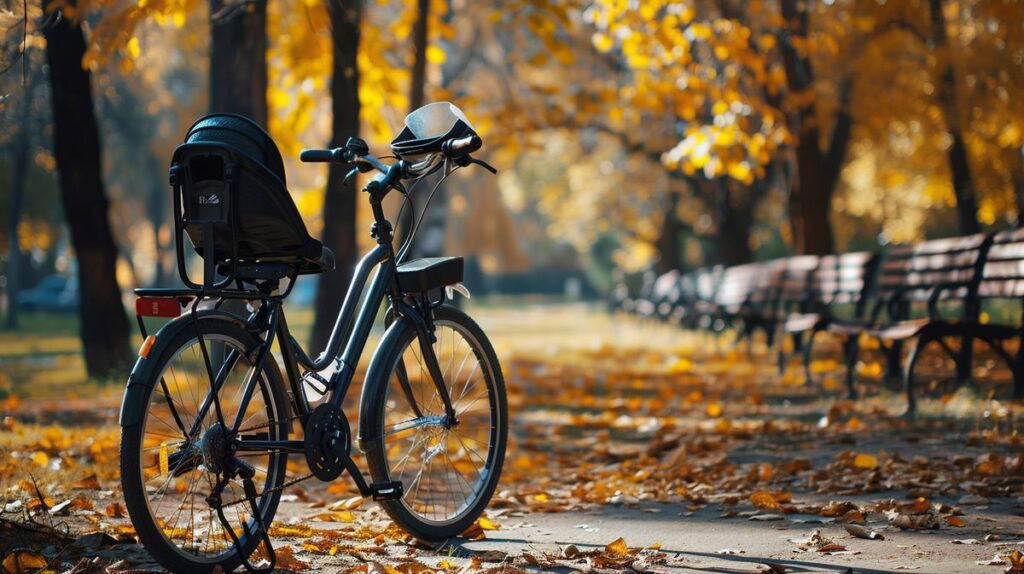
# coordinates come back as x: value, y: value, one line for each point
x: 284, y: 485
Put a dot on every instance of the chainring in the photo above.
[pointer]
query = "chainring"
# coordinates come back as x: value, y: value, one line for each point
x: 327, y: 435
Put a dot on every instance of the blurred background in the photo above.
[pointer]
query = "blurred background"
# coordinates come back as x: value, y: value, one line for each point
x: 629, y: 135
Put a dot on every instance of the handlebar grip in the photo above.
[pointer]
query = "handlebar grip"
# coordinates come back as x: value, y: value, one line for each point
x: 462, y: 146
x: 322, y: 155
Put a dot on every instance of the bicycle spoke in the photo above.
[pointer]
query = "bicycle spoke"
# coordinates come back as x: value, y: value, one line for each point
x: 189, y: 525
x: 443, y: 469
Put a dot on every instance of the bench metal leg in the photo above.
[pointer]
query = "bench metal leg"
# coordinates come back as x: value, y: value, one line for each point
x: 808, y: 349
x: 769, y: 333
x: 964, y: 359
x: 852, y: 348
x: 908, y: 372
x: 798, y: 346
x: 892, y: 361
x: 782, y: 355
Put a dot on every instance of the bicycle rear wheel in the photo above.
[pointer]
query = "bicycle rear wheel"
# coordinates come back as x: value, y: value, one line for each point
x: 448, y: 473
x: 168, y: 455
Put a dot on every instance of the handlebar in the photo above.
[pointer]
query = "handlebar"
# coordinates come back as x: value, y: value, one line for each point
x: 462, y: 146
x: 356, y: 152
x: 338, y: 154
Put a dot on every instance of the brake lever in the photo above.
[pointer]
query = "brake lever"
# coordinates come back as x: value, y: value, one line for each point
x: 484, y: 165
x: 348, y: 177
x: 467, y: 159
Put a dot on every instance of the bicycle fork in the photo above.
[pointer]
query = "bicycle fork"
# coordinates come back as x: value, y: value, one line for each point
x: 426, y: 338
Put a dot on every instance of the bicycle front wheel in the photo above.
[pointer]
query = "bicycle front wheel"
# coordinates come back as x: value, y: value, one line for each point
x: 448, y: 471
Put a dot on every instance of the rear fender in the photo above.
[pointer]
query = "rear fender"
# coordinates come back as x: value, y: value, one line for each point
x: 140, y: 379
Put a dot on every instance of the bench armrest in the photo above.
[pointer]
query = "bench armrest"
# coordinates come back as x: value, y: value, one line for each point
x: 937, y: 291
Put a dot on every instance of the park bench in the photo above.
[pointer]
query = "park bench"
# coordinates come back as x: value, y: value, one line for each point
x: 1001, y: 279
x: 914, y: 285
x: 770, y: 290
x: 790, y: 292
x: 839, y: 291
x: 666, y: 294
x: 631, y: 301
x: 731, y: 295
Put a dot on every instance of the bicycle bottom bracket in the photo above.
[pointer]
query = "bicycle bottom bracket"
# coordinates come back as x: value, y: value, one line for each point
x: 327, y: 442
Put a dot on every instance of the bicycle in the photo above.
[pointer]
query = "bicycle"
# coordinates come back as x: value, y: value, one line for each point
x: 207, y: 415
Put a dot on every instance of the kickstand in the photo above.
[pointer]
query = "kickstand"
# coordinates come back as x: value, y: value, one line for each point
x: 214, y: 500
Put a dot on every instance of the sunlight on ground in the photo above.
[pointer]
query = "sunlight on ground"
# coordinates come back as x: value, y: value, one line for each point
x: 606, y: 412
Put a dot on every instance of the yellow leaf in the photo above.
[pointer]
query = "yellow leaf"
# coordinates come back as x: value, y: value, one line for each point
x: 865, y: 461
x: 871, y: 370
x: 618, y: 547
x: 714, y: 410
x: 683, y: 365
x: 602, y: 42
x: 436, y: 55
x: 40, y: 458
x: 348, y: 504
x: 23, y: 561
x: 764, y: 499
x: 488, y: 524
x: 164, y: 464
x: 133, y: 47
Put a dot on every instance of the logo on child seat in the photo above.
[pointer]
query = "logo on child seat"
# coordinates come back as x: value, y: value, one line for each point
x: 211, y: 199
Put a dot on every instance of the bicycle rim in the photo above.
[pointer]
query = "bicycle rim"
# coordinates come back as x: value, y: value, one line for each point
x: 176, y: 477
x: 444, y: 471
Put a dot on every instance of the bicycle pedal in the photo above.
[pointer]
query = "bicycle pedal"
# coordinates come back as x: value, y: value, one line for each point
x: 387, y: 490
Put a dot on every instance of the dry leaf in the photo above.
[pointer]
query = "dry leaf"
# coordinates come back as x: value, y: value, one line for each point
x: 23, y: 561
x: 861, y: 532
x: 865, y: 461
x: 617, y: 547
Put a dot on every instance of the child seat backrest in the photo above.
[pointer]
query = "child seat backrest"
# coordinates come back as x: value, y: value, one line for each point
x: 229, y: 173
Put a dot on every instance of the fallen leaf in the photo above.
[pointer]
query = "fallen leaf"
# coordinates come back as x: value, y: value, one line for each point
x: 617, y: 547
x: 474, y: 532
x: 861, y: 532
x: 88, y: 483
x: 487, y: 524
x: 865, y: 461
x: 114, y: 510
x: 23, y: 561
x: 956, y: 521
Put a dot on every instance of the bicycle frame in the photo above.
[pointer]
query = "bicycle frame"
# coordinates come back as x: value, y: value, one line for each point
x: 351, y: 329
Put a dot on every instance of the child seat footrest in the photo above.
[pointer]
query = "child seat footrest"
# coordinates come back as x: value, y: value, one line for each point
x: 421, y: 275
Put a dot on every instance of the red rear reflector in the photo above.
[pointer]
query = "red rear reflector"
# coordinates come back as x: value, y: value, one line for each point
x: 157, y: 307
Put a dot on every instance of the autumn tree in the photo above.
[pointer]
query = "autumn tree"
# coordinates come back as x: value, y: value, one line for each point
x: 238, y: 58
x: 340, y: 199
x: 77, y: 149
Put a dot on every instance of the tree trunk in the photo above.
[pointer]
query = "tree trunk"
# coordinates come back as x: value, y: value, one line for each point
x: 156, y: 209
x: 419, y: 67
x: 735, y: 217
x: 670, y: 256
x: 104, y: 326
x: 339, y: 231
x: 238, y: 58
x: 1017, y: 177
x: 959, y: 164
x: 810, y: 198
x: 417, y: 89
x: 22, y: 146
